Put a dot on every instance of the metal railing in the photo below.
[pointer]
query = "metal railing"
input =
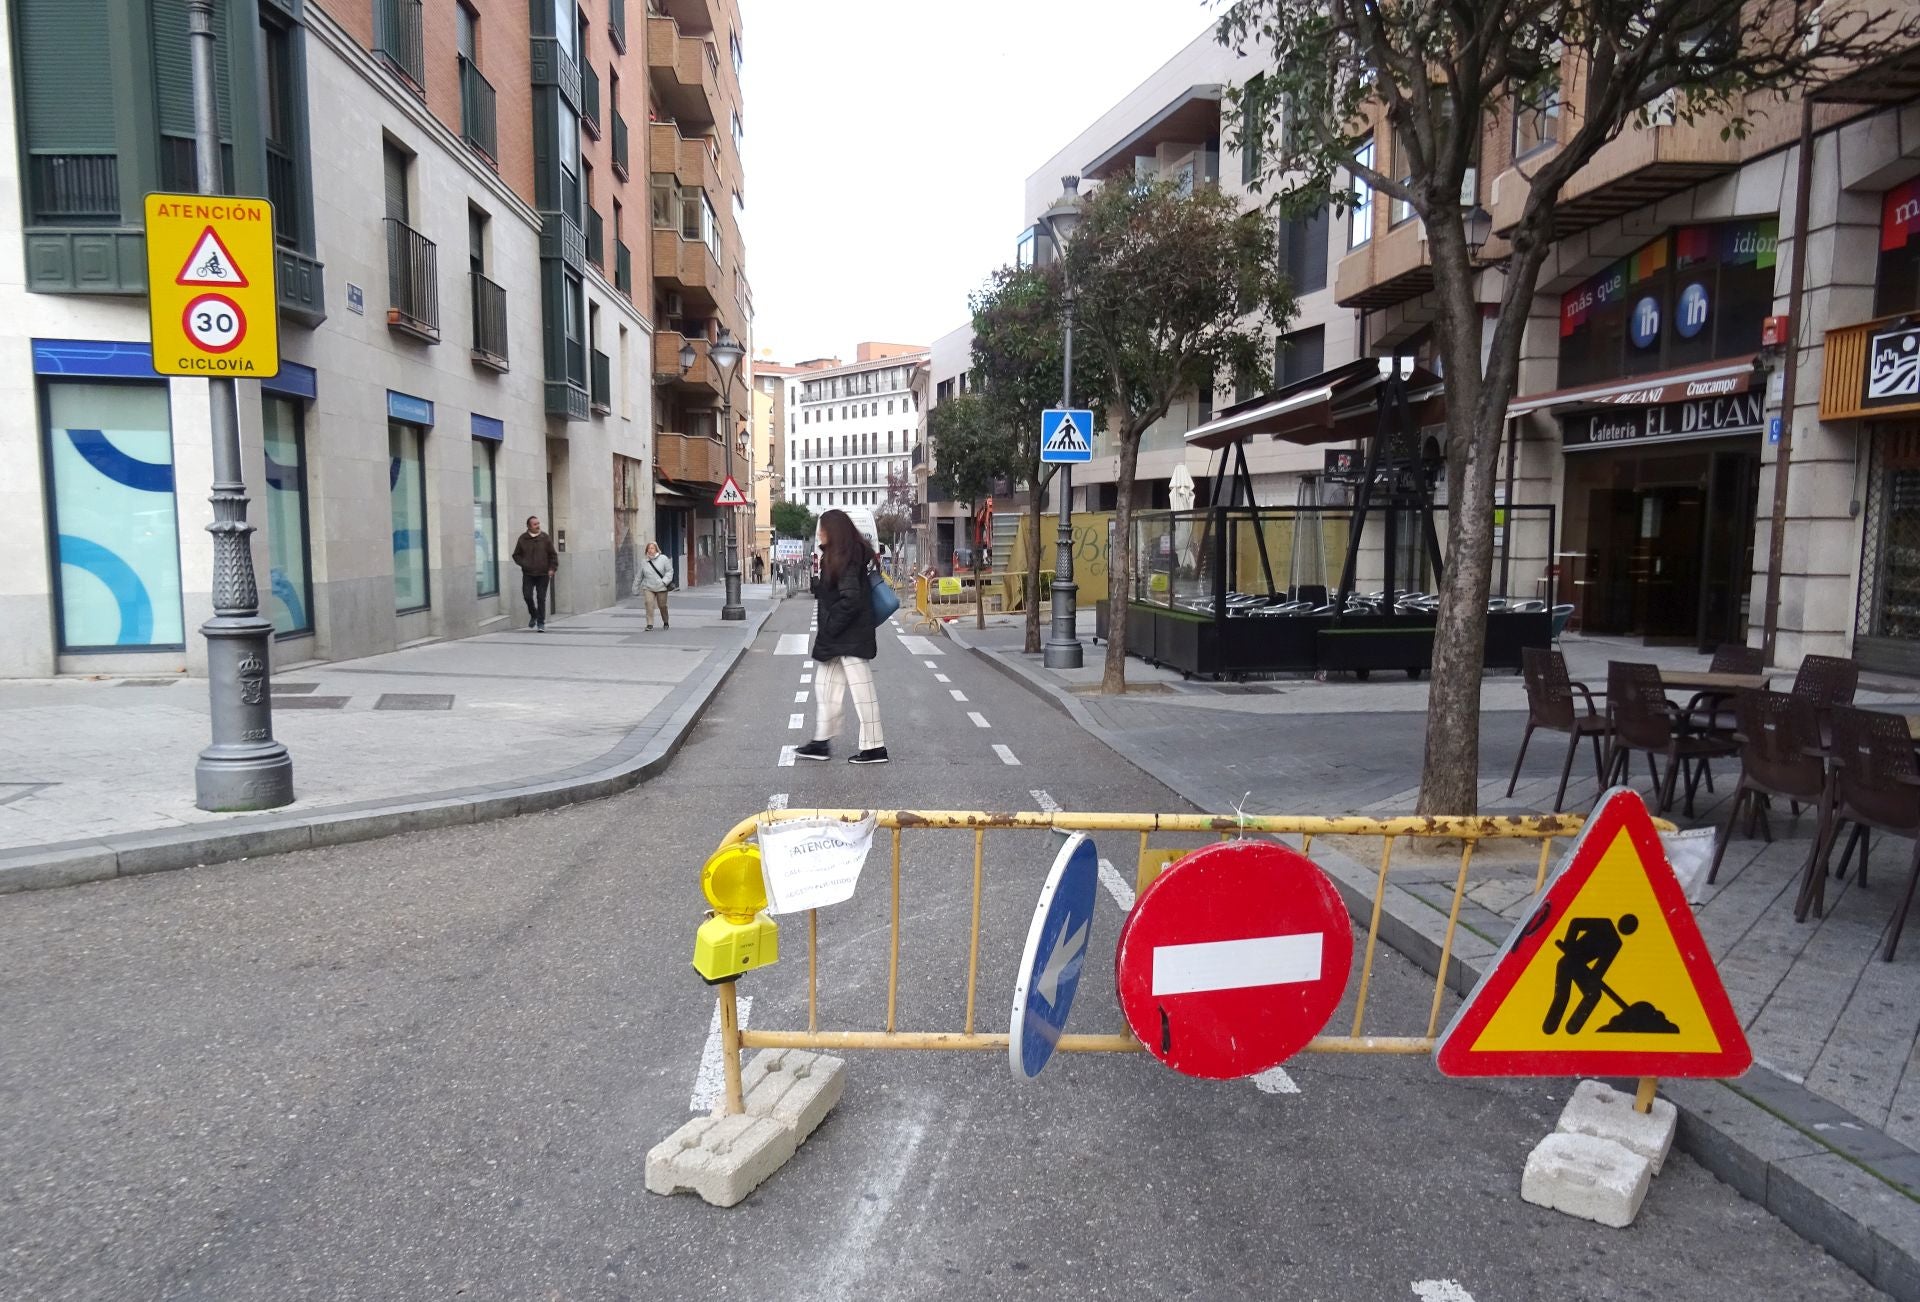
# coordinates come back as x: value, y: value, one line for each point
x: 74, y: 188
x: 623, y: 268
x: 413, y: 283
x: 399, y: 39
x: 283, y: 189
x: 600, y: 395
x: 489, y: 322
x: 1419, y: 1038
x: 596, y: 239
x: 478, y: 126
x: 620, y: 145
x: 590, y: 99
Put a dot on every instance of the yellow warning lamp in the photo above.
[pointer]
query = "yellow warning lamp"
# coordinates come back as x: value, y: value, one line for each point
x: 738, y: 935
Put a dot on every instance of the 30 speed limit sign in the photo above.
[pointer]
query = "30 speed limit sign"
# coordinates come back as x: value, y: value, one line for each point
x: 214, y: 322
x: 210, y: 285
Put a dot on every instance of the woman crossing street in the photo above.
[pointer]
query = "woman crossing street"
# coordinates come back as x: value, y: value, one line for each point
x: 845, y: 646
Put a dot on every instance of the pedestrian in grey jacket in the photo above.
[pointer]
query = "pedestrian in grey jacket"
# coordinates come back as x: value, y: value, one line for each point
x: 656, y: 580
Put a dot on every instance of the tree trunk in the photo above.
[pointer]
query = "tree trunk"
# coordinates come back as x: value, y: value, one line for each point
x: 1113, y: 677
x: 979, y: 594
x: 1036, y: 523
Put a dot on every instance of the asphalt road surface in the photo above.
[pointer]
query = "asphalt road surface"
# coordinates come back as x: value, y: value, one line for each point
x: 432, y: 1066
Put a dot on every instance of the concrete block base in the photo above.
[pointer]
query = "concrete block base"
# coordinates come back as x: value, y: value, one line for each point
x: 793, y: 1087
x: 724, y: 1158
x: 1594, y: 1179
x: 1607, y: 1113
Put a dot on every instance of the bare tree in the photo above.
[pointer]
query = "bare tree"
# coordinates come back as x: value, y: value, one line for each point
x: 1437, y: 71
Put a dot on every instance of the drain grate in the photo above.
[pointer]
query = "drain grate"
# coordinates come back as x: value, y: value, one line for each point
x: 414, y: 701
x: 146, y: 682
x: 293, y: 689
x: 310, y: 702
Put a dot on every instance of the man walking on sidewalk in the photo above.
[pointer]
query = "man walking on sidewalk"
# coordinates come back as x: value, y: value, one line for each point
x: 656, y: 580
x: 533, y: 552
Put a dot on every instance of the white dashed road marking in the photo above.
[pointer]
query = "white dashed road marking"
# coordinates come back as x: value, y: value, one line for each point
x: 1116, y: 885
x: 1274, y: 1080
x: 806, y: 678
x: 791, y: 644
x: 1048, y: 805
x: 941, y: 678
x: 796, y: 720
x: 806, y: 664
x: 786, y: 756
x: 956, y: 694
x: 929, y: 664
x: 1006, y: 755
x: 710, y: 1082
x: 799, y: 698
x: 979, y: 719
x: 778, y: 800
x: 920, y: 646
x: 1440, y: 1290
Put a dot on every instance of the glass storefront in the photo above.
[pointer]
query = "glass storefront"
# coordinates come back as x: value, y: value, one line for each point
x: 1887, y: 630
x: 407, y: 485
x: 486, y: 524
x: 109, y: 450
x: 290, y: 574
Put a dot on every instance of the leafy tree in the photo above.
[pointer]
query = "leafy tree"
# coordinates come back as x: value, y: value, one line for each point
x: 1016, y: 362
x: 1170, y: 288
x: 971, y: 449
x: 1437, y: 72
x: 793, y: 520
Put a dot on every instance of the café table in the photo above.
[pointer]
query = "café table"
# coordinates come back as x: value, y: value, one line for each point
x: 1719, y: 684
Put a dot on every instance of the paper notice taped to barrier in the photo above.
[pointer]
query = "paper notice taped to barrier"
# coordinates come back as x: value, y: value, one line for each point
x: 810, y: 863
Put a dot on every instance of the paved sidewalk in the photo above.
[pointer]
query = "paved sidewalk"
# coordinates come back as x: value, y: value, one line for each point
x: 110, y: 761
x: 1825, y: 1131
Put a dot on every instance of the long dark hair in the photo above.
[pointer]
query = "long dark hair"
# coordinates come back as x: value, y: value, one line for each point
x: 845, y: 550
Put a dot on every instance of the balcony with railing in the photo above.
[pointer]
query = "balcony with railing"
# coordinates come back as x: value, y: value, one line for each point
x: 686, y: 265
x: 596, y: 239
x: 619, y: 146
x: 413, y: 284
x: 685, y: 72
x: 477, y: 123
x: 699, y: 377
x: 399, y: 39
x: 600, y: 396
x: 489, y: 323
x: 623, y: 268
x: 689, y: 458
x: 589, y: 99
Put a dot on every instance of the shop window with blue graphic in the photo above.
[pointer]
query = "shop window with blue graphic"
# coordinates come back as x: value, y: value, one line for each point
x: 115, y: 532
x: 290, y: 576
x: 407, y: 485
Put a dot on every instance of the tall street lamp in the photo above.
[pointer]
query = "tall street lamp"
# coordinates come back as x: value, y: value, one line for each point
x: 1062, y: 650
x: 725, y: 354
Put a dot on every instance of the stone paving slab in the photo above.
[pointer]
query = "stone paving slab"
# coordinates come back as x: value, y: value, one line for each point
x: 100, y: 782
x: 1825, y: 1131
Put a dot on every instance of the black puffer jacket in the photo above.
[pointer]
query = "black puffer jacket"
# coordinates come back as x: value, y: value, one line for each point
x: 846, y: 618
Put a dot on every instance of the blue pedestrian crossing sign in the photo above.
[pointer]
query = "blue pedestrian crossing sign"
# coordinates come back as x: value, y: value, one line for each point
x: 1055, y: 956
x: 1066, y: 435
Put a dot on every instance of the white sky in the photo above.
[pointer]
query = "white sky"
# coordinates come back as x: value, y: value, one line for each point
x: 888, y: 143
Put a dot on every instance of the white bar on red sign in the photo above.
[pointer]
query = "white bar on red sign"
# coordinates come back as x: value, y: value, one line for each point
x: 1236, y: 964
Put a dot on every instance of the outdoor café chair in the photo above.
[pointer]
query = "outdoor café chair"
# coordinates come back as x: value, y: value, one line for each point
x: 1643, y: 721
x: 1780, y: 755
x: 1562, y: 616
x: 1550, y: 704
x: 1707, y: 710
x: 1876, y: 784
x: 1827, y: 680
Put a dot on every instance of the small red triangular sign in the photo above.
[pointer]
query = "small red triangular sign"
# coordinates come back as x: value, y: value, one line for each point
x: 730, y: 494
x: 211, y: 264
x: 1607, y: 975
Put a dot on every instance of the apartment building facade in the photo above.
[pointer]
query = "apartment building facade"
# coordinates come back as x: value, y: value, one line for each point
x: 1177, y: 124
x: 426, y: 405
x: 1651, y: 403
x: 858, y: 427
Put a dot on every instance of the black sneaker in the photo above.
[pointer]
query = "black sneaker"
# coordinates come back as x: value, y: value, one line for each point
x: 878, y: 755
x: 814, y: 750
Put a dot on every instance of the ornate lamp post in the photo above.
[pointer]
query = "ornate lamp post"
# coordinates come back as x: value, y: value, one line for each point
x: 1062, y: 650
x: 725, y: 355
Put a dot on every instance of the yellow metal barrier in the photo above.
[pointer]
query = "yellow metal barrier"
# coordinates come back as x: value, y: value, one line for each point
x: 1471, y: 832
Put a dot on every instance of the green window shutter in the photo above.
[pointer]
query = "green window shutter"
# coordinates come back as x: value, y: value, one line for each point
x: 396, y: 184
x: 66, y: 78
x: 173, y: 69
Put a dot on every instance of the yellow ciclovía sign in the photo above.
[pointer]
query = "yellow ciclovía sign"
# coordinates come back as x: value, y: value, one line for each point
x: 210, y: 286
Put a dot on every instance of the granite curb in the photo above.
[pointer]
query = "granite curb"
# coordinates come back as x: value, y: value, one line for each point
x: 644, y: 752
x: 1836, y: 1180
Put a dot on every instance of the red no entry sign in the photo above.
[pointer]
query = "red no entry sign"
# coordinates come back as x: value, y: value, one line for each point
x: 1233, y: 959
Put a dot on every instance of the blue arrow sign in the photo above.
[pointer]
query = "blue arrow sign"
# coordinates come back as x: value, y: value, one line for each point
x: 1055, y: 955
x: 1066, y: 435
